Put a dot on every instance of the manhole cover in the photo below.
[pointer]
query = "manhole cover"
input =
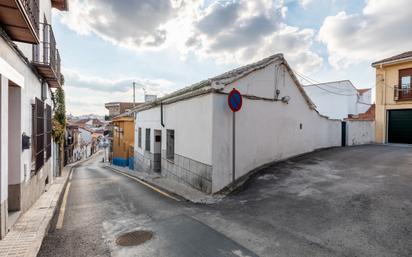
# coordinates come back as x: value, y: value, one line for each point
x: 134, y: 238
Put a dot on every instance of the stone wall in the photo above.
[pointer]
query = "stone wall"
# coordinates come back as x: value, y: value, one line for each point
x: 188, y: 171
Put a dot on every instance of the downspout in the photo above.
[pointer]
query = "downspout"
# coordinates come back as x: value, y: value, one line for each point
x: 161, y: 114
x: 385, y: 120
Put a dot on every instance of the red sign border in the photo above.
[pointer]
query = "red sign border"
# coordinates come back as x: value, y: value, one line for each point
x: 234, y: 91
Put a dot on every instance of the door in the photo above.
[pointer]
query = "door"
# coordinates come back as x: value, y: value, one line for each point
x: 400, y: 126
x: 343, y: 133
x: 157, y: 150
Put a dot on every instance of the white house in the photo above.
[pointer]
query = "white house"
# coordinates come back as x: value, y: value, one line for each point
x: 188, y: 135
x: 29, y: 68
x: 339, y: 99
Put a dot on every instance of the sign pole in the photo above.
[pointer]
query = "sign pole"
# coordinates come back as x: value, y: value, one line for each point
x: 234, y: 148
x: 234, y: 101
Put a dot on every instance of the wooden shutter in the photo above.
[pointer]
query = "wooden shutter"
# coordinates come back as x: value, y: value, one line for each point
x: 39, y: 133
x: 48, y: 131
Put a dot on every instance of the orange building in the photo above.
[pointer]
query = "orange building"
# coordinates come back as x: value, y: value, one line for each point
x: 123, y: 140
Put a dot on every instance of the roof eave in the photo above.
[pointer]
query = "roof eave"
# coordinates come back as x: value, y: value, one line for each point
x: 393, y: 62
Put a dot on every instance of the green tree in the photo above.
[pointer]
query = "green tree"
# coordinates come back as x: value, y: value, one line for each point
x: 59, y: 122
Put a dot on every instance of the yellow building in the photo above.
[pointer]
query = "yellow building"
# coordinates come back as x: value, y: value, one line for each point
x: 123, y: 141
x: 394, y: 99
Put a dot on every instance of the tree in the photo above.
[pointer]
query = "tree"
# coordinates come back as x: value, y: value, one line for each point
x: 59, y: 122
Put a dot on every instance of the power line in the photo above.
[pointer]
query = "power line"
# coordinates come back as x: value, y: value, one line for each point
x: 316, y: 85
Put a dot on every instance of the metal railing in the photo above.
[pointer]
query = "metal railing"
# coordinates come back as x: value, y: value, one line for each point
x: 46, y: 53
x: 403, y: 93
x: 33, y: 12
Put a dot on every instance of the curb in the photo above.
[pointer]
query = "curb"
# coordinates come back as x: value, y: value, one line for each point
x: 148, y: 182
x: 67, y: 170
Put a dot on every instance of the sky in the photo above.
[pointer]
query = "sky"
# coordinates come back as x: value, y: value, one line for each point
x: 165, y: 45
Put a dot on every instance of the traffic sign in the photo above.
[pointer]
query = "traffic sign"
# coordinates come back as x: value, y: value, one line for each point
x: 235, y: 100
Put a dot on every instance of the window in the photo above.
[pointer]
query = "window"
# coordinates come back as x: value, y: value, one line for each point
x: 405, y: 78
x: 139, y: 138
x: 147, y: 146
x: 405, y: 82
x: 170, y: 145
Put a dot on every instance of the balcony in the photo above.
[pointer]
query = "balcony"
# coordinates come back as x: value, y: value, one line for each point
x: 404, y: 93
x: 20, y: 20
x: 46, y: 57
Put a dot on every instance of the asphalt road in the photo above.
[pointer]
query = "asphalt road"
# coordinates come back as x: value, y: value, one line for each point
x: 340, y: 202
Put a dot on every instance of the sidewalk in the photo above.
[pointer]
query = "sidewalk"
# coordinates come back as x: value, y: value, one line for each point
x: 169, y: 185
x: 26, y: 236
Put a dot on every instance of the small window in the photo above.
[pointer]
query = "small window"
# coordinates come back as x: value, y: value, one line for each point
x: 170, y: 145
x: 139, y: 138
x: 147, y: 148
x: 406, y: 82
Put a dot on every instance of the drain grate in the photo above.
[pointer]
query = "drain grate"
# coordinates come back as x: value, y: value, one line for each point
x: 134, y: 238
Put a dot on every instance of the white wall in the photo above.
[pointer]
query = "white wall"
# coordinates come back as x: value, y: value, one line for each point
x: 266, y: 131
x: 29, y: 90
x: 192, y: 122
x: 4, y: 86
x: 360, y: 132
x: 337, y: 105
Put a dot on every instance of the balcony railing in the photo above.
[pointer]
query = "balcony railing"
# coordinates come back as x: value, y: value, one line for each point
x: 20, y: 19
x: 46, y: 57
x: 32, y: 9
x: 403, y: 93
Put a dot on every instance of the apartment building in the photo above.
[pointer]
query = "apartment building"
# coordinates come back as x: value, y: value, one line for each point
x: 394, y: 99
x: 29, y: 72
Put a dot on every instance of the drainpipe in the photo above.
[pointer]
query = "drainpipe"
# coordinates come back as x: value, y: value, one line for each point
x: 161, y: 115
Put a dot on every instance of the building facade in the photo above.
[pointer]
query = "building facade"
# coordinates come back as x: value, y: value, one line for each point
x: 339, y: 99
x: 29, y: 70
x: 189, y: 135
x: 394, y: 99
x: 123, y: 141
x: 117, y: 108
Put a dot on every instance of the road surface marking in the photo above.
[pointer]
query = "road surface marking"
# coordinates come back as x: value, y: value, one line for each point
x: 71, y: 175
x: 60, y: 220
x: 148, y: 185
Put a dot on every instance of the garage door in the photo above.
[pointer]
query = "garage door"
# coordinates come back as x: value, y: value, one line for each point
x: 400, y: 126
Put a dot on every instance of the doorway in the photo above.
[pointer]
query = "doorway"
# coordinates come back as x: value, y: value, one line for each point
x: 14, y: 154
x: 157, y: 151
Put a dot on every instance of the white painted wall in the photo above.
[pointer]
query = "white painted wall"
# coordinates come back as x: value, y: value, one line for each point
x: 191, y: 120
x: 29, y: 90
x: 360, y: 132
x: 4, y: 87
x: 266, y: 131
x: 338, y: 99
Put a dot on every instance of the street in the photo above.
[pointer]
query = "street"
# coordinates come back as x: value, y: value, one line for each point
x: 338, y: 202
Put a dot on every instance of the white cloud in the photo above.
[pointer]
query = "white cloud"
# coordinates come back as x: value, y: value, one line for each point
x: 382, y: 29
x: 306, y: 3
x: 128, y: 23
x: 243, y: 31
x: 87, y: 94
x: 235, y: 31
